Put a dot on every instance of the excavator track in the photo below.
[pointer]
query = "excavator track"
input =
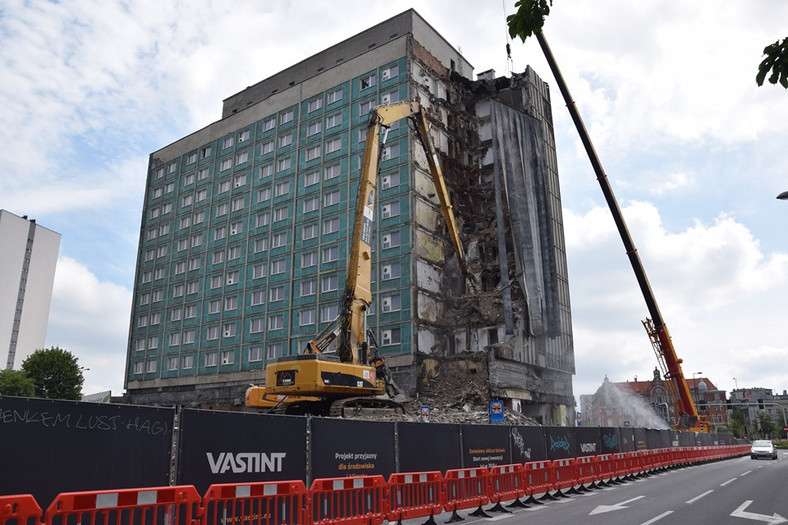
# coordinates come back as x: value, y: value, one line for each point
x: 358, y: 407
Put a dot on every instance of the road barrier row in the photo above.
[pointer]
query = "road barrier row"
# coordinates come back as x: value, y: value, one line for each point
x: 358, y: 500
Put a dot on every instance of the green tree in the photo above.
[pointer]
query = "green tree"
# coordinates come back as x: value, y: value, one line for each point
x: 16, y: 383
x: 736, y: 423
x: 776, y: 61
x: 55, y: 373
x: 530, y: 16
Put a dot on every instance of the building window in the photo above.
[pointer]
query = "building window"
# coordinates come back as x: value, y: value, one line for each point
x: 278, y: 266
x: 239, y: 181
x: 389, y: 152
x: 187, y: 362
x: 188, y: 337
x: 279, y: 240
x: 257, y: 298
x: 139, y: 367
x: 211, y: 358
x: 314, y: 128
x: 390, y: 98
x: 283, y: 164
x: 236, y: 227
x: 243, y: 136
x: 258, y: 271
x: 334, y: 96
x: 185, y: 222
x: 215, y: 306
x: 282, y: 188
x: 329, y: 283
x: 286, y: 117
x: 256, y: 325
x: 151, y: 368
x: 280, y: 214
x: 367, y: 82
x: 260, y: 245
x: 266, y: 171
x: 306, y: 317
x: 178, y: 290
x: 233, y: 277
x: 158, y: 295
x: 190, y: 311
x: 329, y: 313
x: 389, y: 72
x: 365, y: 107
x: 285, y: 140
x: 390, y: 209
x: 226, y: 164
x: 174, y: 339
x: 263, y: 194
x: 314, y: 105
x: 218, y: 257
x: 203, y: 173
x: 140, y: 345
x: 392, y: 271
x: 392, y: 303
x: 221, y: 210
x: 187, y: 201
x: 332, y: 171
x: 212, y: 333
x: 255, y: 354
x: 228, y: 329
x: 269, y: 124
x: 241, y: 157
x: 334, y: 120
x: 391, y: 336
x: 330, y: 254
x: 313, y: 152
x: 237, y: 204
x: 333, y: 145
x: 219, y: 233
x: 230, y: 303
x: 201, y: 195
x: 277, y: 293
x: 261, y: 220
x: 311, y: 204
x: 308, y: 259
x: 176, y: 314
x: 391, y: 240
x: 274, y: 351
x: 331, y: 225
x: 311, y: 178
x: 199, y: 217
x: 153, y: 343
x: 330, y: 198
x: 205, y: 152
x: 276, y: 321
x: 233, y: 252
x: 228, y: 142
x: 389, y: 180
x: 194, y: 263
x: 308, y: 231
x: 308, y: 287
x: 267, y: 147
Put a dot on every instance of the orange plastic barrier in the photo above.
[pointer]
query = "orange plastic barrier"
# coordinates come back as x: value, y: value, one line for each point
x: 538, y: 477
x: 587, y: 470
x: 265, y: 502
x: 360, y: 500
x: 564, y: 475
x: 506, y: 483
x: 20, y: 509
x: 466, y: 488
x: 414, y: 495
x: 605, y: 469
x: 148, y: 506
x: 621, y: 465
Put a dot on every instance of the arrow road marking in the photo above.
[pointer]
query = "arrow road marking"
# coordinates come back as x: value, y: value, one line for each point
x: 774, y: 519
x: 618, y: 506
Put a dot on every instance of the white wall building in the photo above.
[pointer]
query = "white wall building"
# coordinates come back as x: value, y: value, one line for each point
x: 28, y: 257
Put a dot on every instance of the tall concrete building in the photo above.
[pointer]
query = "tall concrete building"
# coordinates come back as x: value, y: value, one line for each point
x: 245, y: 227
x: 27, y: 264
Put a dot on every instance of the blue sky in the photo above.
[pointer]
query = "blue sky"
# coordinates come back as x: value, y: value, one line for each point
x: 695, y: 152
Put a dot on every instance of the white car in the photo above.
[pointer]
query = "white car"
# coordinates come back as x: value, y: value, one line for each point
x: 763, y: 448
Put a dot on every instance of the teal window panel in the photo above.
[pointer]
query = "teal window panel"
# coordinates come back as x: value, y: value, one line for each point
x: 288, y: 118
x: 364, y: 84
x: 336, y: 121
x: 335, y: 146
x: 332, y: 175
x: 392, y: 212
x: 337, y: 96
x: 360, y: 109
x: 393, y: 72
x: 313, y: 106
x: 396, y: 153
x: 312, y: 130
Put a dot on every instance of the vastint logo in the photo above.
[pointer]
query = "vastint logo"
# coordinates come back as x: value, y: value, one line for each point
x: 587, y: 447
x: 246, y: 462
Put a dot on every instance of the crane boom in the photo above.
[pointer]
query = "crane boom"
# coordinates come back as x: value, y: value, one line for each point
x: 687, y: 411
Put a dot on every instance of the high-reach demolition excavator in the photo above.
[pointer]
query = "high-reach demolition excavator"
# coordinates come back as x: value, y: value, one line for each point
x: 340, y: 371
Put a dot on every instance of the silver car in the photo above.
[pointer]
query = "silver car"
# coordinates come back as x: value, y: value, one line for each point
x: 763, y: 448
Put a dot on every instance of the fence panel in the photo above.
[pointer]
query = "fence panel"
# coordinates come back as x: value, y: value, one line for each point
x: 19, y: 509
x: 414, y: 495
x: 360, y: 500
x: 273, y: 503
x: 178, y: 505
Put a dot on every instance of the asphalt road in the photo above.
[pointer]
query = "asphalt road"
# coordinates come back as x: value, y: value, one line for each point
x: 737, y: 491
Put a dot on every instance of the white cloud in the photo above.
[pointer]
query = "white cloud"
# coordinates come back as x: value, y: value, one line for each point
x: 90, y: 319
x: 718, y: 294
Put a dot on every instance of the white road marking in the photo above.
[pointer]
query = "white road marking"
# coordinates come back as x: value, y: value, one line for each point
x: 774, y: 519
x: 744, y: 473
x: 727, y: 482
x: 657, y: 518
x: 696, y: 498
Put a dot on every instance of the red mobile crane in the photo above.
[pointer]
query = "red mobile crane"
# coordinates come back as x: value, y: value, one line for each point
x: 687, y: 417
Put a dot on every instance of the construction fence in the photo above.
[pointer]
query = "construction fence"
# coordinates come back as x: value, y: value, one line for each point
x: 51, y: 447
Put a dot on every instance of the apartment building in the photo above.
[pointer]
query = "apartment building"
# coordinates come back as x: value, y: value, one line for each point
x: 245, y: 228
x: 27, y: 264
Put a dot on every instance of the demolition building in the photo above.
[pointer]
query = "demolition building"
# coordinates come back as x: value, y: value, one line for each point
x: 246, y: 225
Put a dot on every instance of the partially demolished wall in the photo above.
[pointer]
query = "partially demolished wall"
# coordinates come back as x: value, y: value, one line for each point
x: 497, y: 151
